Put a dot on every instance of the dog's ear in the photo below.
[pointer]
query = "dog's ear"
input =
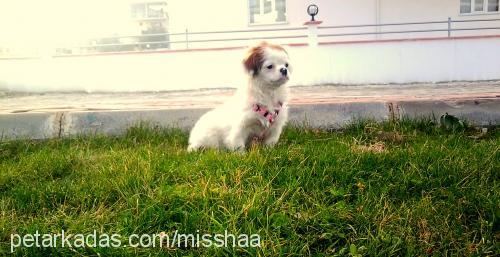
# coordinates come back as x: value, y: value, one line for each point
x: 254, y: 60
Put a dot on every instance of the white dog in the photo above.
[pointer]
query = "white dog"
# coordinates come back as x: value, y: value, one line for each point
x: 257, y: 111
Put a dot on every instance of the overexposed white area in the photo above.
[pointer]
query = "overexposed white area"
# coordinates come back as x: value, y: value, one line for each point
x: 129, y: 72
x: 52, y: 23
x: 381, y: 62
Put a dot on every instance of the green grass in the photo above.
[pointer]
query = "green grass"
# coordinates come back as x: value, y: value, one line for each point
x: 373, y: 189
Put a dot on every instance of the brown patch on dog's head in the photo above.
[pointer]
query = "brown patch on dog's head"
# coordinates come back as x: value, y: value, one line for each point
x: 255, y: 57
x: 254, y: 60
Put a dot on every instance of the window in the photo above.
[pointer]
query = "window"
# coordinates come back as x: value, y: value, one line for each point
x: 267, y: 11
x: 155, y: 10
x: 478, y: 6
x: 492, y: 5
x: 465, y: 6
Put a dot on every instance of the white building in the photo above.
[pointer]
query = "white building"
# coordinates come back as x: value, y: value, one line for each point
x: 237, y: 14
x: 217, y: 15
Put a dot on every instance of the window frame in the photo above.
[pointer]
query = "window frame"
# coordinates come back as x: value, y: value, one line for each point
x: 474, y: 12
x: 250, y: 24
x: 146, y: 9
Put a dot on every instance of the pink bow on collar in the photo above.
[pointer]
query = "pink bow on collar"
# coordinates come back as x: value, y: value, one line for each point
x: 263, y: 111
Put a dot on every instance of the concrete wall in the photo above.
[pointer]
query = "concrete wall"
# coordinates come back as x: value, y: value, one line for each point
x: 376, y: 62
x: 404, y: 62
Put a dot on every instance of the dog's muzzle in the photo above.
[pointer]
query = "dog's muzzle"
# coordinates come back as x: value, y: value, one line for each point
x: 283, y: 71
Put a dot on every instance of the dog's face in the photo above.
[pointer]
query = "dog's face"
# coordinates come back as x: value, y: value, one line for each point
x: 269, y: 64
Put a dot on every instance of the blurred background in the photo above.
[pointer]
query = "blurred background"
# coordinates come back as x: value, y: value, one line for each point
x: 144, y: 45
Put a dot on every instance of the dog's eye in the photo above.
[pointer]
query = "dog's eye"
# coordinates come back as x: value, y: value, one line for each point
x: 270, y: 66
x: 286, y: 65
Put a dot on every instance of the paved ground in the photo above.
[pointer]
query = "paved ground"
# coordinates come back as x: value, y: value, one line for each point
x: 30, y: 115
x: 81, y: 101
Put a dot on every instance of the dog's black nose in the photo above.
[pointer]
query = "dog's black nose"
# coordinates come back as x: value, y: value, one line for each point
x: 283, y: 71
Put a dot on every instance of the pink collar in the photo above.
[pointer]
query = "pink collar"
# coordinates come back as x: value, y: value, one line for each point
x: 263, y: 111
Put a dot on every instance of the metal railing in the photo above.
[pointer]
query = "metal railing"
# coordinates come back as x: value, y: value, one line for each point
x: 224, y: 38
x: 449, y: 29
x: 187, y: 37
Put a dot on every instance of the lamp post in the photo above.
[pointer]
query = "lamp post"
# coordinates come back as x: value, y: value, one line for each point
x: 312, y: 25
x: 312, y: 10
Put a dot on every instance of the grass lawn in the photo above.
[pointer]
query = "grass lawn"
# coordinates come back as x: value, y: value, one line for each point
x: 373, y: 189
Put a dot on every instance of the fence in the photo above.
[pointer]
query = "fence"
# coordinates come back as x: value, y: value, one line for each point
x: 448, y: 29
x: 291, y: 35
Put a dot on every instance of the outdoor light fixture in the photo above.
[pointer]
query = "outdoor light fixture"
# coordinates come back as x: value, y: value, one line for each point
x: 312, y: 10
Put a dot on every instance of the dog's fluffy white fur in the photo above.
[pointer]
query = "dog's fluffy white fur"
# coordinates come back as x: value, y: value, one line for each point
x: 235, y: 124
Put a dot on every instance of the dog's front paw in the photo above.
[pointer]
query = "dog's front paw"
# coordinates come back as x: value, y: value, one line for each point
x: 265, y: 123
x: 238, y: 148
x: 241, y: 150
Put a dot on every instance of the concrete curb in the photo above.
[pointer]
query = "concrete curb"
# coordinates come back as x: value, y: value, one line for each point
x: 480, y: 111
